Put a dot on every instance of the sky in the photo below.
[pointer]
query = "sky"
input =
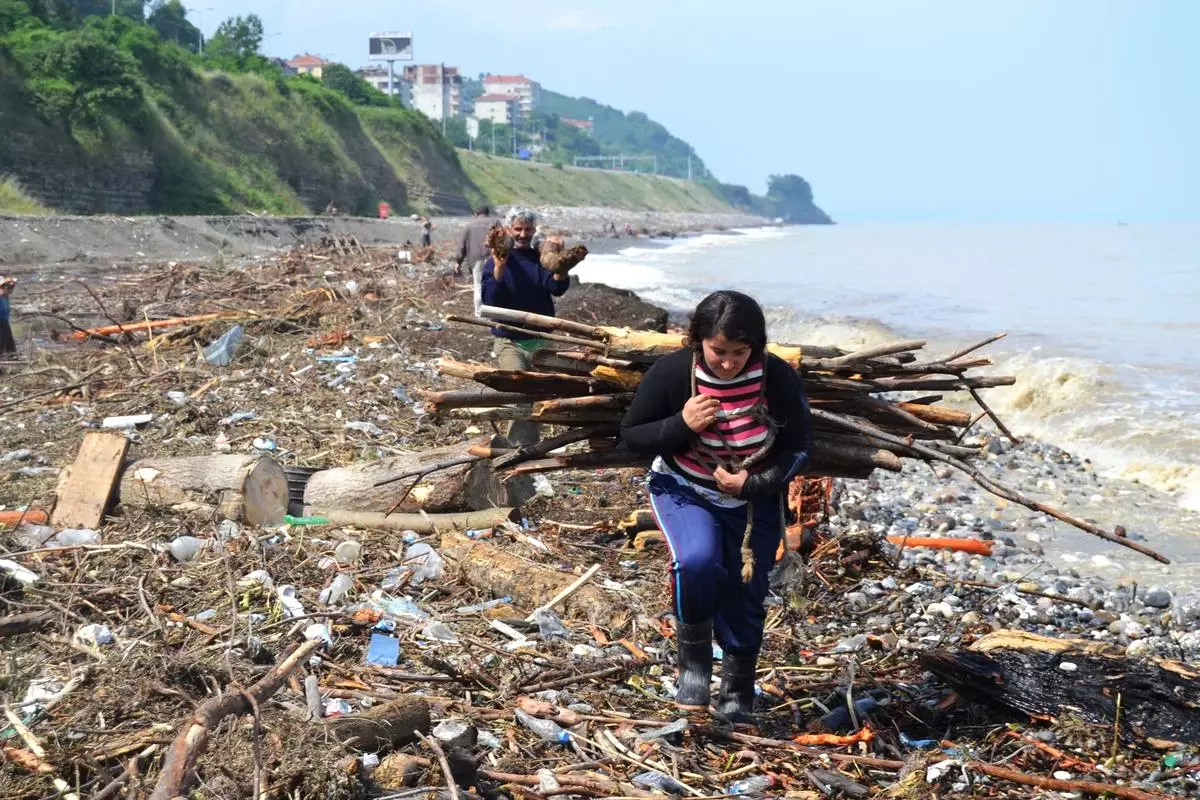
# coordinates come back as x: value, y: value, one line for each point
x: 894, y: 110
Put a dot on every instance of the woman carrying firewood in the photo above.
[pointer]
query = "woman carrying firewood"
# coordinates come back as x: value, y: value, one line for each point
x: 729, y: 426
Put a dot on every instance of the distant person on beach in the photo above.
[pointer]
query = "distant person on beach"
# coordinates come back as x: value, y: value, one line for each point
x: 472, y: 248
x: 426, y: 232
x: 8, y: 343
x: 729, y: 427
x: 519, y: 282
x: 628, y: 229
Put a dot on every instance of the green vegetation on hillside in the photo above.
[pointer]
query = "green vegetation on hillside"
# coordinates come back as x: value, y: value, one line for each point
x: 506, y: 180
x: 14, y: 200
x: 84, y: 92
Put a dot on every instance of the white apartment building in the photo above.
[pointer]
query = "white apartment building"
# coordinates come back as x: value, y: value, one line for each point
x: 377, y: 76
x: 527, y: 91
x: 436, y: 89
x: 502, y: 109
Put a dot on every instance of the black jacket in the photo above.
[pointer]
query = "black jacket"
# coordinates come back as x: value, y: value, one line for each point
x: 654, y: 423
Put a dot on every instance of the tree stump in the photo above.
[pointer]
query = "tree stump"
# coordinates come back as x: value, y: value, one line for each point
x: 243, y: 487
x: 471, y: 486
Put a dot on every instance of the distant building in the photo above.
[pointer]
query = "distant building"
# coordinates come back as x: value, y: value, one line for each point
x: 502, y: 109
x: 377, y: 76
x: 284, y: 65
x: 436, y: 89
x: 582, y: 124
x: 308, y: 64
x: 527, y: 91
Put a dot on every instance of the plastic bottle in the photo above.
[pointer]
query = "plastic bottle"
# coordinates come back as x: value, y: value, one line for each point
x: 336, y: 590
x: 475, y: 609
x: 290, y: 520
x: 71, y: 537
x: 547, y: 729
x: 657, y: 780
x: 751, y: 786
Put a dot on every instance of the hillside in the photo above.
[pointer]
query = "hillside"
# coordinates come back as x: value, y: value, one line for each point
x: 164, y: 136
x: 507, y: 180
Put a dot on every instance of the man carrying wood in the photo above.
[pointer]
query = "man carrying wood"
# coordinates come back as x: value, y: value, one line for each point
x: 517, y: 280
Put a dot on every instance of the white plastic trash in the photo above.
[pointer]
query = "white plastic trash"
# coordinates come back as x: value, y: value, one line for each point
x: 126, y: 422
x: 185, y: 548
x: 72, y: 537
x: 94, y: 635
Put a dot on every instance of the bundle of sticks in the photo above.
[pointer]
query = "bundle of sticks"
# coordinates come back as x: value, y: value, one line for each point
x: 584, y: 382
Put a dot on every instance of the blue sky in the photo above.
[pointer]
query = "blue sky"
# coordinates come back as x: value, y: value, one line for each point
x: 893, y: 109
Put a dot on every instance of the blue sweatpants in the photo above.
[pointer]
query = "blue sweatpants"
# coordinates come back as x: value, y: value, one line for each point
x: 706, y: 561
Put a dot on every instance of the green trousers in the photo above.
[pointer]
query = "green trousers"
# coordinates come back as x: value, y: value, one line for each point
x: 513, y: 356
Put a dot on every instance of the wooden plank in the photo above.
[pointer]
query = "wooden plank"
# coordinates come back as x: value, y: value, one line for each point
x: 84, y: 495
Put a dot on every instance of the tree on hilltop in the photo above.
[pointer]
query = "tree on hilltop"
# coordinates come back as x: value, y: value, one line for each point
x: 169, y: 19
x: 237, y: 38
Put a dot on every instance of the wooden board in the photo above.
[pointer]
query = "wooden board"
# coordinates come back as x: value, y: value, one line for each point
x: 85, y: 492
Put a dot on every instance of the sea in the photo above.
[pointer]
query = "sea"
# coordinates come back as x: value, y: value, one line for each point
x: 1102, y: 324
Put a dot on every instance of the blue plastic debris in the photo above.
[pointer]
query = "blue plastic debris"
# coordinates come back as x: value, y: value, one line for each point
x: 383, y: 650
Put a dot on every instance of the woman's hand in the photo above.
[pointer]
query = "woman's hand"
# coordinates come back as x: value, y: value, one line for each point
x: 700, y: 411
x: 730, y: 483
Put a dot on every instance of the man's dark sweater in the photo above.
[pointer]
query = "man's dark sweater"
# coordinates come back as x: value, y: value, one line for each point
x: 526, y: 286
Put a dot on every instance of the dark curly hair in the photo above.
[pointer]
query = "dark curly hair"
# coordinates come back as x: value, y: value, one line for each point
x: 736, y: 316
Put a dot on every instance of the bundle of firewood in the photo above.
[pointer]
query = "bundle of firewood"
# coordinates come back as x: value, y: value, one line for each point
x: 871, y: 408
x: 586, y: 383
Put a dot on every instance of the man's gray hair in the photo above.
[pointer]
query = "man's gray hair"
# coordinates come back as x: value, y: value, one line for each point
x: 522, y: 214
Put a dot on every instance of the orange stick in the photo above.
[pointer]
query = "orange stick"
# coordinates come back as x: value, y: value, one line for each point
x: 152, y: 324
x: 976, y: 546
x: 810, y: 739
x: 34, y: 516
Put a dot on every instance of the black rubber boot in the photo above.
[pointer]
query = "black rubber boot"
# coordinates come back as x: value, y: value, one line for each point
x: 694, y: 643
x: 736, y: 701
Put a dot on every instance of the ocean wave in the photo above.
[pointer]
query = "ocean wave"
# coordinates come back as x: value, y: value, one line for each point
x: 1094, y: 410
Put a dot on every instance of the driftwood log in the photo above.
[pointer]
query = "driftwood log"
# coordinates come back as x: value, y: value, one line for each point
x: 246, y: 487
x: 384, y: 727
x: 435, y: 481
x: 178, y: 768
x: 529, y: 585
x: 421, y: 523
x: 1016, y: 671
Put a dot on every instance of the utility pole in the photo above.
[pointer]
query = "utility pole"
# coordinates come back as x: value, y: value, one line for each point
x: 200, y: 27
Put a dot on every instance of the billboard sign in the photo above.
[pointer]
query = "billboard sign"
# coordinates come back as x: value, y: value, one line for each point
x: 390, y: 47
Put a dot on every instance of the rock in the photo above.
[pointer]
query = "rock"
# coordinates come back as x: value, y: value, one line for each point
x: 939, y: 609
x: 970, y: 618
x: 1081, y: 593
x: 1157, y: 597
x: 857, y: 601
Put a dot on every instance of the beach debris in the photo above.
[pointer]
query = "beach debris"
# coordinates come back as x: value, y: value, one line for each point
x: 249, y: 487
x: 85, y: 488
x: 1035, y: 675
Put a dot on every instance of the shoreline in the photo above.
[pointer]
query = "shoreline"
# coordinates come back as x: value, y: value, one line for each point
x: 30, y: 243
